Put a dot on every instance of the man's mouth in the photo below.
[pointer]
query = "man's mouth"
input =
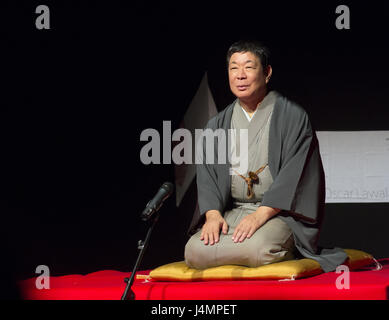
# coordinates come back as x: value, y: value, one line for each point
x: 242, y: 87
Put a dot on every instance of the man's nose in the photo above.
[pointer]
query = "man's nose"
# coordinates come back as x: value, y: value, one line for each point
x: 241, y: 74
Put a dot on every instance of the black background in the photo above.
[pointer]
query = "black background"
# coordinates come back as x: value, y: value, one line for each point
x: 76, y: 98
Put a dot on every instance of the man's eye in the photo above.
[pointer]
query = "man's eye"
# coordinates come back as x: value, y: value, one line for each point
x: 249, y: 67
x: 233, y: 68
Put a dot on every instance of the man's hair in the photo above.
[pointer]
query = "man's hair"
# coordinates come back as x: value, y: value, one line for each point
x: 253, y: 46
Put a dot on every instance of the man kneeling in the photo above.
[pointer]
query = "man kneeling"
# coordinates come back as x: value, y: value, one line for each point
x: 274, y: 209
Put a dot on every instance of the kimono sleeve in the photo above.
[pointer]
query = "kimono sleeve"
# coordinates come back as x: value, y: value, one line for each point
x: 208, y: 191
x: 298, y: 184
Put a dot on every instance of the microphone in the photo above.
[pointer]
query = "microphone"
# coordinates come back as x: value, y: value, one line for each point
x: 154, y: 204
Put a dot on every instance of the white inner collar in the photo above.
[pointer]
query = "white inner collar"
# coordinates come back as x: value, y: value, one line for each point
x: 247, y: 115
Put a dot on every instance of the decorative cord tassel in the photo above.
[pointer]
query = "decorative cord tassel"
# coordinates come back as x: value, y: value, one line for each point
x: 251, y: 179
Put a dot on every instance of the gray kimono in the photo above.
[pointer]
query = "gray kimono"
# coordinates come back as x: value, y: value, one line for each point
x: 298, y: 186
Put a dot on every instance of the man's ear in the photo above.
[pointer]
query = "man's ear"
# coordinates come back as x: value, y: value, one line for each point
x: 268, y: 73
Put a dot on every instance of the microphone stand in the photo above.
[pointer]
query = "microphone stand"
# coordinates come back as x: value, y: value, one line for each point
x: 142, y: 246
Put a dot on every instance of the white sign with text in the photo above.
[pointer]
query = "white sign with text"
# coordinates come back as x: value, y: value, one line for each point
x: 356, y: 165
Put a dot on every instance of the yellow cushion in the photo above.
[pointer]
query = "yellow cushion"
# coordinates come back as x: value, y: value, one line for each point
x: 291, y: 269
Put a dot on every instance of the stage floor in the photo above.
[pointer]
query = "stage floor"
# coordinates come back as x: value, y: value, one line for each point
x: 365, y: 284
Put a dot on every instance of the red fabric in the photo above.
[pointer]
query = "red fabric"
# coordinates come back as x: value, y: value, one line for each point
x: 109, y: 285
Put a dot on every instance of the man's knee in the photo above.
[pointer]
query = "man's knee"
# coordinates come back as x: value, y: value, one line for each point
x: 271, y: 252
x: 197, y: 254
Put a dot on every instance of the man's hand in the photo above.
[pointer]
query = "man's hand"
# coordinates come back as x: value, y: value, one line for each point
x: 252, y: 222
x: 211, y: 228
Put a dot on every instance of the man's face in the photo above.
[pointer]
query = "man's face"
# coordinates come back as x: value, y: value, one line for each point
x: 246, y: 75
